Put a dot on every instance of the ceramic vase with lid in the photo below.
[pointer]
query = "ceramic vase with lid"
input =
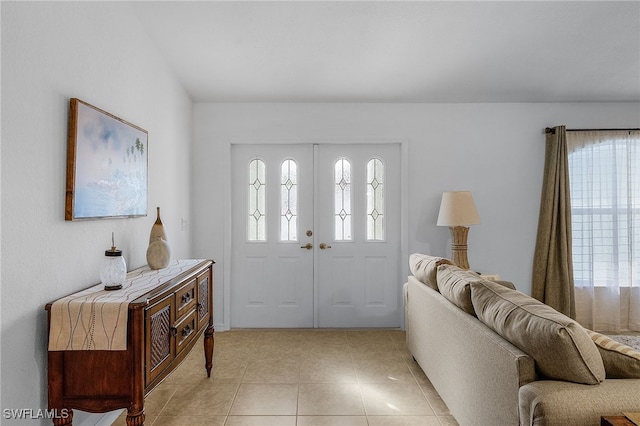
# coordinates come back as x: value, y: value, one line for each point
x: 159, y: 251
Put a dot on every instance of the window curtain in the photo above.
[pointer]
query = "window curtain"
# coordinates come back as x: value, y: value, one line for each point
x: 552, y: 281
x: 605, y: 196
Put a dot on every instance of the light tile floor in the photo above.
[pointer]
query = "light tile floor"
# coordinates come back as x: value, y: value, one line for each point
x: 299, y: 377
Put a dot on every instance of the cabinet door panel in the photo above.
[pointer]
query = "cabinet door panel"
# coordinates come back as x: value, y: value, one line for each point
x: 159, y: 348
x: 204, y: 283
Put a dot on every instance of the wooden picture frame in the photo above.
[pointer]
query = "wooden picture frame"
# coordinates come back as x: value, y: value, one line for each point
x: 107, y: 165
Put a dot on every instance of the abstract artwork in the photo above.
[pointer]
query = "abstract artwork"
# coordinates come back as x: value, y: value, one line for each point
x: 106, y: 165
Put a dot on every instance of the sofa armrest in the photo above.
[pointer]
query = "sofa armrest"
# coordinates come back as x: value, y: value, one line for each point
x: 558, y: 403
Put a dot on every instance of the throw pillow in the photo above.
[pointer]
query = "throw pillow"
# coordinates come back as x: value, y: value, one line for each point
x: 423, y: 267
x: 561, y: 347
x: 454, y: 282
x: 507, y: 284
x: 620, y: 361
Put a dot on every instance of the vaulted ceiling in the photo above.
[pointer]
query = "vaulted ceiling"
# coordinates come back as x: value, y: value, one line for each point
x: 396, y: 51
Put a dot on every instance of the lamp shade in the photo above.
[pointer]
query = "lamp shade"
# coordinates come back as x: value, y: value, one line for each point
x: 457, y: 209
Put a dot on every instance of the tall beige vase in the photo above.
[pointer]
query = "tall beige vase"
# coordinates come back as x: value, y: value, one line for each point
x: 159, y: 251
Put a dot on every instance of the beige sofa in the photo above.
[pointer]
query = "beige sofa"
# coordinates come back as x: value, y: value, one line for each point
x: 484, y: 378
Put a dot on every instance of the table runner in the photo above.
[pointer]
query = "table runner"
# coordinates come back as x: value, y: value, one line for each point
x: 95, y: 319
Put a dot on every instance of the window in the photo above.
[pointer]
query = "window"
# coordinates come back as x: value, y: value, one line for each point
x: 342, y: 200
x: 604, y: 169
x: 289, y: 201
x: 257, y: 227
x: 375, y: 200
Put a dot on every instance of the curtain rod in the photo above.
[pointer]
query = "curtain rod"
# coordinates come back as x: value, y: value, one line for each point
x: 552, y: 130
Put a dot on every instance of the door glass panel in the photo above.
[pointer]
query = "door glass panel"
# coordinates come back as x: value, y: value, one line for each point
x: 257, y: 226
x: 289, y: 201
x: 375, y: 200
x: 342, y: 200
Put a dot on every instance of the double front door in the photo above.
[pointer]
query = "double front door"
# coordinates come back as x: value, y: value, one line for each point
x: 315, y: 235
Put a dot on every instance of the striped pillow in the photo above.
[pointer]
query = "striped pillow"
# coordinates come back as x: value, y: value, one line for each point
x: 620, y: 361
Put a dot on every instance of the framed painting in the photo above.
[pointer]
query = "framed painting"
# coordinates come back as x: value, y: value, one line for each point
x: 106, y: 165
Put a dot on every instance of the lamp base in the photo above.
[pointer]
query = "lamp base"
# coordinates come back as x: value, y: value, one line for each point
x: 459, y: 246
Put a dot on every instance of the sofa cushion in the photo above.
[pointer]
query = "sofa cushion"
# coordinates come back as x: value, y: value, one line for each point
x: 560, y: 346
x: 423, y: 267
x: 620, y: 361
x: 454, y: 282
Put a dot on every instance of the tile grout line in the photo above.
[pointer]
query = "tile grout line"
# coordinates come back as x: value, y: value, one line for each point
x: 164, y: 405
x: 235, y: 395
x: 360, y: 348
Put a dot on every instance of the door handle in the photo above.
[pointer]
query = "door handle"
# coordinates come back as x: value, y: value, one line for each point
x: 307, y: 246
x: 324, y: 246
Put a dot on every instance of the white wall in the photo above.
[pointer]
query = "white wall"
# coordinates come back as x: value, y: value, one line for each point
x: 494, y: 150
x: 52, y: 51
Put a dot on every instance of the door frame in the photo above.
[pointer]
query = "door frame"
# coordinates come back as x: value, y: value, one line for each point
x: 404, y: 212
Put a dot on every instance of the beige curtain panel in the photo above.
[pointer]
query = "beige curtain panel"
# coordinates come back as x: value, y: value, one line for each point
x: 552, y: 281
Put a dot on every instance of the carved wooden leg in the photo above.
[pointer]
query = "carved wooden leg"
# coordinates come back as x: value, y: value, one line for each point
x: 135, y: 417
x: 63, y: 417
x: 208, y: 349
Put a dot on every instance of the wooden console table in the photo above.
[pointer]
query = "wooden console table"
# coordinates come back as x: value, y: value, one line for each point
x: 171, y: 309
x: 615, y: 421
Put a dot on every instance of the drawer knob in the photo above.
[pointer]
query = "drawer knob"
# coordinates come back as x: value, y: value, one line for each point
x: 186, y: 298
x: 187, y: 330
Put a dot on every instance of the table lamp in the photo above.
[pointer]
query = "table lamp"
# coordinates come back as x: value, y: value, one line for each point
x: 457, y: 210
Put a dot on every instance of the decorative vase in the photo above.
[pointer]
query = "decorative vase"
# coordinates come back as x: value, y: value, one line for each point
x: 159, y: 251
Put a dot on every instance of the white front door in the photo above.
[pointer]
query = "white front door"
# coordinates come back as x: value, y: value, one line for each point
x: 271, y: 274
x: 315, y: 235
x: 358, y: 216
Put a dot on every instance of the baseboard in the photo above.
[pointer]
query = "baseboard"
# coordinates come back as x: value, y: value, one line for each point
x: 82, y: 418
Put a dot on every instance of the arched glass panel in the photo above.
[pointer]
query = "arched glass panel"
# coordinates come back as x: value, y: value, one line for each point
x: 375, y: 200
x: 257, y: 225
x: 342, y: 200
x: 289, y: 201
